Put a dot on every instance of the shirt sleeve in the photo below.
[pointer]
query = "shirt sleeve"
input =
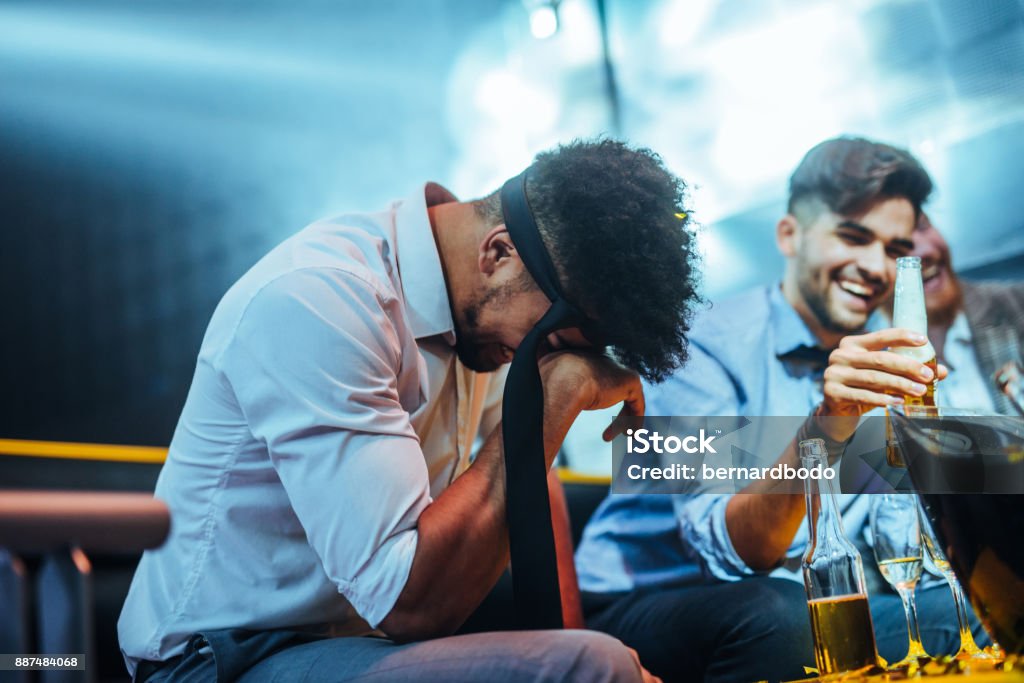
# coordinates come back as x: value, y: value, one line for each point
x: 314, y: 364
x: 703, y: 387
x: 702, y: 526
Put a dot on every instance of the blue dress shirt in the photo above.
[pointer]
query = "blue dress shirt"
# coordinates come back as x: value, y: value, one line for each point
x: 748, y: 356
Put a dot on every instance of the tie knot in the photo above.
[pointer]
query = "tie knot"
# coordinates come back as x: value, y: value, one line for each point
x: 813, y: 357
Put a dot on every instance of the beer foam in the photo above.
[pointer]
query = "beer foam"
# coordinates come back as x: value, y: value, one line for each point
x: 922, y: 354
x: 909, y: 308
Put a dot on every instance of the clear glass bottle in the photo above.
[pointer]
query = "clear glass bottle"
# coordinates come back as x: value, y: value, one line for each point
x: 837, y: 597
x: 909, y: 312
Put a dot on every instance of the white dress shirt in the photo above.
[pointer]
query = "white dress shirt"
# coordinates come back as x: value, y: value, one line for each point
x: 327, y: 410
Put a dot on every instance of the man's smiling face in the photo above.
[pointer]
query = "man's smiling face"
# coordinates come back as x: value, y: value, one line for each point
x: 941, y: 286
x: 846, y: 265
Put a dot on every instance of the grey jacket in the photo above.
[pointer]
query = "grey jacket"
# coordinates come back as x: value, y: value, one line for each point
x: 995, y: 313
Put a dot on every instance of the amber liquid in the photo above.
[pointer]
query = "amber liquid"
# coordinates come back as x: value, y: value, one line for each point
x: 844, y: 639
x: 892, y: 451
x: 902, y: 572
x: 929, y: 395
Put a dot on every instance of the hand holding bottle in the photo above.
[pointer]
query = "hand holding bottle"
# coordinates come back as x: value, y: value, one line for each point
x: 889, y: 367
x: 866, y: 372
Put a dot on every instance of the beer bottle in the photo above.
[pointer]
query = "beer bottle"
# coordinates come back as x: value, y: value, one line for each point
x: 909, y: 312
x: 837, y: 597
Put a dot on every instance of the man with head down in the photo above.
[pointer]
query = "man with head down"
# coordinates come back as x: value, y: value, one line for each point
x: 329, y: 522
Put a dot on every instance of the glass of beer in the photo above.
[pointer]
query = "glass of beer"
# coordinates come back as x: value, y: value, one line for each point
x: 837, y: 598
x: 897, y: 543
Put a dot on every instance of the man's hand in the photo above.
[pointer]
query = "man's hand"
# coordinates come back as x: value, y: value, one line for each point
x: 645, y: 675
x: 579, y: 380
x: 862, y: 374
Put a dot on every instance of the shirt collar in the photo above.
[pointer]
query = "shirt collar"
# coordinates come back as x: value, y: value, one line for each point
x: 960, y: 330
x: 789, y: 331
x: 419, y: 265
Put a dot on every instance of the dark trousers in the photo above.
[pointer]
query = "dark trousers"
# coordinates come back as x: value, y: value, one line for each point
x: 744, y: 631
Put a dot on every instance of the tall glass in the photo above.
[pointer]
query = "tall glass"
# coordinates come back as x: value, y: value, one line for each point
x: 980, y: 529
x: 837, y: 597
x: 969, y: 650
x: 897, y: 543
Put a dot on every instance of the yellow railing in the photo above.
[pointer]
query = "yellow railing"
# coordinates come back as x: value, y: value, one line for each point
x: 156, y: 455
x: 83, y: 451
x: 569, y: 476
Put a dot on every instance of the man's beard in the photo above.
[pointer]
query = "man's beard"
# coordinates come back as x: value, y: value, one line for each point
x: 819, y: 304
x: 469, y: 348
x: 944, y: 314
x: 469, y: 352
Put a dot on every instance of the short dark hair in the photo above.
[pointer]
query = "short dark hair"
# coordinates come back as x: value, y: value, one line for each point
x: 613, y: 220
x: 849, y: 174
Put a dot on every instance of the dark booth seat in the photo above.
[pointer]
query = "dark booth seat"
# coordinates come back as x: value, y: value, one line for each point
x: 110, y: 528
x: 67, y: 555
x: 34, y: 522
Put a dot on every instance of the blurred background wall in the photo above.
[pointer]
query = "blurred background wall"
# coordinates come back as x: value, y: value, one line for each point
x: 151, y: 152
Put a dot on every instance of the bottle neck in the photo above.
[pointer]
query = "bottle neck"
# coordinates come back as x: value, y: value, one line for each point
x: 822, y: 508
x: 908, y: 301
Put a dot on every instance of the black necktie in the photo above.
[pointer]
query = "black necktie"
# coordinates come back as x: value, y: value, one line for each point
x: 815, y: 357
x: 538, y: 603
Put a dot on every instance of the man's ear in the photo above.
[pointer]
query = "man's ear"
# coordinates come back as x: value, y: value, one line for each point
x: 495, y: 247
x: 787, y: 235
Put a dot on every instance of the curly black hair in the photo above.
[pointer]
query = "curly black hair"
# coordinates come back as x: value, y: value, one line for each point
x: 613, y: 220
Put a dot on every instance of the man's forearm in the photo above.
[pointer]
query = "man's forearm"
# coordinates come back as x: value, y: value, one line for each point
x: 761, y: 526
x: 762, y: 520
x: 461, y: 550
x: 462, y: 545
x: 568, y: 582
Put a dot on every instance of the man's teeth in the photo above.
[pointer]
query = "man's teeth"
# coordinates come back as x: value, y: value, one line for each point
x: 856, y: 289
x: 929, y: 272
